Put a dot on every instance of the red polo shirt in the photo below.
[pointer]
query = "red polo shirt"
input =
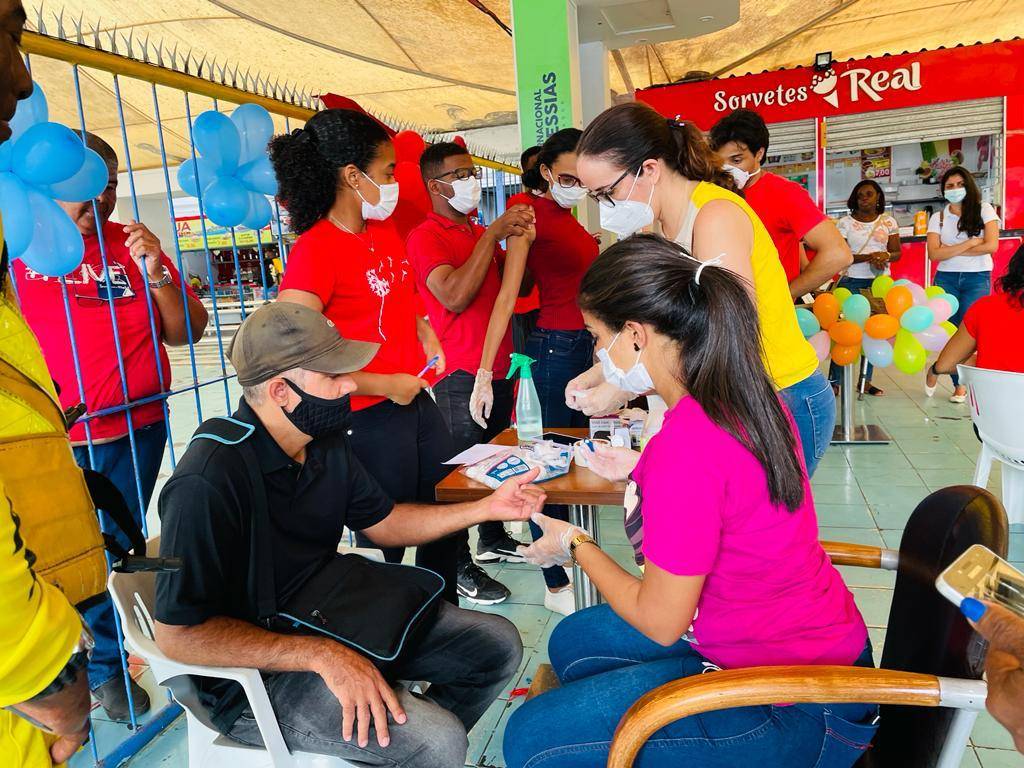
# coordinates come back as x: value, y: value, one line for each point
x: 787, y: 212
x: 439, y: 241
x: 366, y: 286
x: 561, y: 254
x: 91, y: 291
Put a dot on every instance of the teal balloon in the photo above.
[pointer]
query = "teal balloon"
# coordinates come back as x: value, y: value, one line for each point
x: 857, y: 309
x: 809, y: 324
x: 194, y: 175
x: 17, y: 214
x: 255, y: 128
x: 258, y: 176
x: 90, y: 181
x: 30, y: 111
x: 259, y: 212
x: 226, y: 201
x: 902, y: 281
x: 56, y: 246
x: 953, y: 301
x: 217, y: 139
x: 47, y: 153
x: 917, y: 319
x: 878, y: 351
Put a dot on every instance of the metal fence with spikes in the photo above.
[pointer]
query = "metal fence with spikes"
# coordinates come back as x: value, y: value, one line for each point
x: 141, y: 96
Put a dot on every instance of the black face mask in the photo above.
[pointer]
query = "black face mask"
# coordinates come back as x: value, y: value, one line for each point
x: 318, y: 417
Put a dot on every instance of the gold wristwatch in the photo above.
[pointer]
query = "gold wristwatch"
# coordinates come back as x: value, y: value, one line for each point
x: 579, y: 538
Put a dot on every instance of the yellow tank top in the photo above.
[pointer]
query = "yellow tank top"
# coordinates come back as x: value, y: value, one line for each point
x: 789, y: 358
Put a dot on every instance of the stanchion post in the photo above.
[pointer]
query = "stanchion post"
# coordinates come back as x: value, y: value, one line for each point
x: 848, y: 433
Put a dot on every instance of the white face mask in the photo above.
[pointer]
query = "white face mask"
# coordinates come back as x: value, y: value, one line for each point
x: 741, y: 176
x: 636, y: 380
x: 567, y: 197
x: 466, y: 195
x: 627, y: 216
x: 385, y: 206
x: 955, y: 195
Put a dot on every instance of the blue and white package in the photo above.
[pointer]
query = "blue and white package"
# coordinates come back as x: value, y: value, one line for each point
x: 552, y: 459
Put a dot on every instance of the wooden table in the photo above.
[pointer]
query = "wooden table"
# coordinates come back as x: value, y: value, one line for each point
x: 580, y: 489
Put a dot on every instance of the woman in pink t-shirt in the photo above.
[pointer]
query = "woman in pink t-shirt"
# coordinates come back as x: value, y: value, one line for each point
x: 719, y: 510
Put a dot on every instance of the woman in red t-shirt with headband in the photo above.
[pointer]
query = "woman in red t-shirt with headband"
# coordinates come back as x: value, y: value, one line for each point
x: 560, y: 255
x: 336, y: 179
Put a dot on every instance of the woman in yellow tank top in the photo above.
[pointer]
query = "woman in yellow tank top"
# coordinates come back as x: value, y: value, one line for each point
x: 642, y: 168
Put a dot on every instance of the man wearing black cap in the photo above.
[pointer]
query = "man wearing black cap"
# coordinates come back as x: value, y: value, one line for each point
x: 294, y: 368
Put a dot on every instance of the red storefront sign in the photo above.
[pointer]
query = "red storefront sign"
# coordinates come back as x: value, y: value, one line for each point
x: 865, y: 85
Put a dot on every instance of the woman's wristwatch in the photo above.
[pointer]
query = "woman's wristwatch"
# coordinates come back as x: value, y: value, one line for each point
x: 576, y: 541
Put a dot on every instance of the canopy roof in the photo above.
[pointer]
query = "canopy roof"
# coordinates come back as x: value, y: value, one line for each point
x: 445, y: 65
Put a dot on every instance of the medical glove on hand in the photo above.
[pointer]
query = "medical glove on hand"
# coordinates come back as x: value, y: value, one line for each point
x: 482, y: 399
x: 589, y: 379
x: 553, y: 547
x: 601, y: 400
x: 611, y: 463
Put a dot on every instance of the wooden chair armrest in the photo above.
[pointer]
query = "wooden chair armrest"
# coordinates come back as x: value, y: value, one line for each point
x: 864, y: 555
x: 764, y: 685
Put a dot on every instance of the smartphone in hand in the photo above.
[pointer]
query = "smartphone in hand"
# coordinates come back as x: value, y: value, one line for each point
x: 980, y: 573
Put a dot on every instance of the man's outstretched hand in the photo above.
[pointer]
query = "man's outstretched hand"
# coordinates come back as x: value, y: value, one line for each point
x: 517, y: 498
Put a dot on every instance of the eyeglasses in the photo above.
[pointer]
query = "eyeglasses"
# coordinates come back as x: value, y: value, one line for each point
x: 568, y: 181
x: 605, y: 195
x: 463, y: 173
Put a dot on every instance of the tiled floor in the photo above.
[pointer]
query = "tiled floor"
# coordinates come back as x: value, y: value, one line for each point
x: 863, y: 494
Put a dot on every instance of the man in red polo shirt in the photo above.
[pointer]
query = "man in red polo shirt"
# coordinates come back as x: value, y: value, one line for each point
x: 457, y: 262
x: 110, y: 281
x: 785, y: 208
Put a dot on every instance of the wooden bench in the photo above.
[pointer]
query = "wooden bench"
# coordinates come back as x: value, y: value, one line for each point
x: 544, y: 679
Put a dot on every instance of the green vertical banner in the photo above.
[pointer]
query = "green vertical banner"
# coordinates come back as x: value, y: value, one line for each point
x: 542, y: 40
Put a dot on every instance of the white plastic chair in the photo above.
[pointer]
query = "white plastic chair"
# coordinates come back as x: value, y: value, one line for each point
x: 997, y: 408
x: 134, y: 596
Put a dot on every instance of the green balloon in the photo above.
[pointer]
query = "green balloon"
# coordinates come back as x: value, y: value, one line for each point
x: 908, y: 355
x: 881, y: 285
x: 934, y: 290
x: 842, y: 294
x: 857, y: 309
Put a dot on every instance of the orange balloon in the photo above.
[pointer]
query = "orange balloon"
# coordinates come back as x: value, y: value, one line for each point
x: 881, y: 326
x: 826, y: 309
x: 844, y: 355
x: 898, y: 300
x: 846, y: 334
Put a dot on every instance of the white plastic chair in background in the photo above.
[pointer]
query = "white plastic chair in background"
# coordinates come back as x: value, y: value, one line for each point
x: 997, y: 408
x: 134, y: 597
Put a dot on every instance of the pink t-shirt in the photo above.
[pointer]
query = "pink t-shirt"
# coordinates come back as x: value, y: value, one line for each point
x: 698, y: 505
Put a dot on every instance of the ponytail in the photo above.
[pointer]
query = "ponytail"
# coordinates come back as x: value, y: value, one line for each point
x: 307, y: 161
x: 713, y: 322
x: 628, y: 134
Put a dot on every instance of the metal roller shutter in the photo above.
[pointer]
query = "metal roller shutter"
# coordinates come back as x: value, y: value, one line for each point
x: 915, y: 124
x: 792, y: 137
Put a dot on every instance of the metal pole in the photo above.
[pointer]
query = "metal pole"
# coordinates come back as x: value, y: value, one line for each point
x: 584, y: 591
x: 847, y: 402
x: 848, y: 433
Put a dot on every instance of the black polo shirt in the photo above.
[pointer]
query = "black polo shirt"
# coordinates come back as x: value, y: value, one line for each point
x: 205, y: 520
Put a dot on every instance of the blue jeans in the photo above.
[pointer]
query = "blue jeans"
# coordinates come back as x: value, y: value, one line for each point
x: 114, y: 460
x: 854, y: 285
x: 968, y: 287
x: 605, y: 665
x: 561, y: 356
x: 813, y: 405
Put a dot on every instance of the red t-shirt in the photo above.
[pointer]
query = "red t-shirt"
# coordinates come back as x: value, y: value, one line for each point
x: 561, y: 254
x: 366, y: 286
x: 997, y: 323
x: 787, y: 212
x: 440, y: 241
x: 531, y: 301
x: 90, y: 292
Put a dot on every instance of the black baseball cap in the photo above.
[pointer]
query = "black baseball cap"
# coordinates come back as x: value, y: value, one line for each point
x: 280, y: 336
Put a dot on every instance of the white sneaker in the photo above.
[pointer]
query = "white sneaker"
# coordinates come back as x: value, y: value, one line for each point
x: 562, y: 602
x: 955, y: 398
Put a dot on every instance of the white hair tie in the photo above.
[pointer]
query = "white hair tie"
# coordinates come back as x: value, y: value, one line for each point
x: 715, y: 262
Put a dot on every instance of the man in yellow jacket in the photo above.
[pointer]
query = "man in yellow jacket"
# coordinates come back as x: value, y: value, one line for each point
x: 43, y: 646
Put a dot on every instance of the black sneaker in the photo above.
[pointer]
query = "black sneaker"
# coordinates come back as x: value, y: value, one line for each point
x: 112, y: 697
x: 477, y: 587
x: 505, y: 549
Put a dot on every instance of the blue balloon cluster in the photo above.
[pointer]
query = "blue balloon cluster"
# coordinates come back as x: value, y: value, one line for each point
x: 40, y: 163
x: 233, y: 171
